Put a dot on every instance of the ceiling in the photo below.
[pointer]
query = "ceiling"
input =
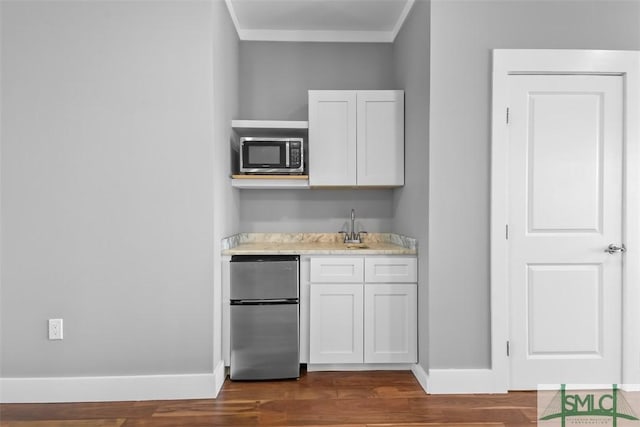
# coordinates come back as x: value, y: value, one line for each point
x: 376, y: 21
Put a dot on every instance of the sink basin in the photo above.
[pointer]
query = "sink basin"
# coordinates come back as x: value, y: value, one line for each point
x: 356, y: 245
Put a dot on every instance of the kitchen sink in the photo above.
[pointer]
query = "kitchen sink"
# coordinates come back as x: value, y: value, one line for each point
x: 356, y: 246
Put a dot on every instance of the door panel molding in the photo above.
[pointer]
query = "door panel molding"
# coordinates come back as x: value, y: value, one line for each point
x: 508, y: 62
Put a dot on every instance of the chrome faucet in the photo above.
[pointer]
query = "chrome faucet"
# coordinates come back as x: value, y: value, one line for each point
x: 353, y: 224
x: 353, y: 237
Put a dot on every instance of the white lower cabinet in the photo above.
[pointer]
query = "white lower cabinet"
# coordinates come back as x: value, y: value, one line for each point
x: 390, y: 318
x: 336, y: 323
x: 363, y: 322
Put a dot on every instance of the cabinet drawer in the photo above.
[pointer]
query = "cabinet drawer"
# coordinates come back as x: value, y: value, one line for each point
x: 337, y: 270
x: 391, y: 270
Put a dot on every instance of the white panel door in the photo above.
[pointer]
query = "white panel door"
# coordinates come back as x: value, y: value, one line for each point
x: 332, y: 137
x: 380, y: 137
x: 336, y: 323
x: 565, y: 209
x: 390, y: 318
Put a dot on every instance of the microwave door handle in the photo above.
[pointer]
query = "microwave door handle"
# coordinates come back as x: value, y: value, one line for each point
x: 286, y: 156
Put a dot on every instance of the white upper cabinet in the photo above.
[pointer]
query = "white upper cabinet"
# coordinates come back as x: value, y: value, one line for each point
x: 332, y: 128
x: 356, y: 138
x: 380, y: 138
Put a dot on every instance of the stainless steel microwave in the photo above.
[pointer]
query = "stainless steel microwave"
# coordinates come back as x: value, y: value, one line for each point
x: 271, y: 155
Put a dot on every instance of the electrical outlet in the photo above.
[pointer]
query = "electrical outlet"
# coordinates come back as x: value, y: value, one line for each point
x: 55, y: 329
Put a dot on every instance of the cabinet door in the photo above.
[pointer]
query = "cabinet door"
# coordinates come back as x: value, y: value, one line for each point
x: 342, y: 269
x: 380, y: 137
x: 336, y: 324
x: 390, y: 318
x: 393, y: 269
x: 332, y: 136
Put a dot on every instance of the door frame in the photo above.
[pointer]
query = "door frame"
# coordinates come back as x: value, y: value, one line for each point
x: 508, y: 62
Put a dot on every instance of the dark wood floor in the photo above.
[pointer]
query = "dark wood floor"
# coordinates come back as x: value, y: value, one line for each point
x: 318, y: 398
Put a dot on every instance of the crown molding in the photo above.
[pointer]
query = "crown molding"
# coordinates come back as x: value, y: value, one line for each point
x: 401, y: 19
x: 319, y: 36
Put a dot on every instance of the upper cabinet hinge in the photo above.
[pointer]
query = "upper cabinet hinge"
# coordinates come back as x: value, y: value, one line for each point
x: 507, y: 115
x: 506, y: 231
x: 508, y: 349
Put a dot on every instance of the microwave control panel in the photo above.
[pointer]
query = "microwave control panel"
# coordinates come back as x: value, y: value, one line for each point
x: 295, y: 154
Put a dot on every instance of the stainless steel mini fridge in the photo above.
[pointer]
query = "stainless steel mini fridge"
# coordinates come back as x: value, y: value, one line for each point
x: 265, y: 326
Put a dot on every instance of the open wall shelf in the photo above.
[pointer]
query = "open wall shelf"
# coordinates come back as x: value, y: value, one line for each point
x: 270, y: 127
x: 260, y: 128
x: 270, y: 181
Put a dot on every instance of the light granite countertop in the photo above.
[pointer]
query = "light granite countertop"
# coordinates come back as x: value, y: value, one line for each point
x: 316, y: 243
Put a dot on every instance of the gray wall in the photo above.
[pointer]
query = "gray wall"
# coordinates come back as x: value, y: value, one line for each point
x: 106, y: 190
x: 275, y: 76
x: 462, y: 36
x: 112, y: 208
x: 225, y: 108
x: 410, y: 203
x: 315, y: 210
x: 274, y: 80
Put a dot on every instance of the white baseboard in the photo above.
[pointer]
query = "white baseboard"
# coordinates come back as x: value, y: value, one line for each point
x: 421, y: 376
x: 220, y: 374
x: 207, y: 386
x: 462, y: 381
x: 111, y: 388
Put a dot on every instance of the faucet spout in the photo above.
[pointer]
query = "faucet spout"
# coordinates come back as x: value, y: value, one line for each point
x: 353, y: 226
